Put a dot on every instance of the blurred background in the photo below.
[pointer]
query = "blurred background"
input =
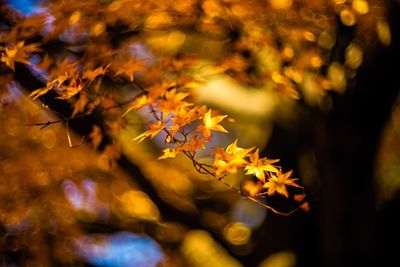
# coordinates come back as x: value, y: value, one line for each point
x: 312, y: 83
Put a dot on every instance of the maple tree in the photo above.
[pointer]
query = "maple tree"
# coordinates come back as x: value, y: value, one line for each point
x: 103, y: 61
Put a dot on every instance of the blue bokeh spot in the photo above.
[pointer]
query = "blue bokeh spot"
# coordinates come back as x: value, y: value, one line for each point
x: 122, y: 249
x: 26, y: 7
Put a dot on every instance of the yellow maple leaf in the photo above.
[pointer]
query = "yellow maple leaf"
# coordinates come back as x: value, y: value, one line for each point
x: 252, y: 188
x: 183, y: 117
x: 230, y: 159
x: 211, y: 124
x: 258, y: 166
x: 139, y: 103
x: 169, y: 153
x: 278, y: 183
x: 172, y: 102
x: 154, y: 129
x: 158, y: 90
x: 17, y: 53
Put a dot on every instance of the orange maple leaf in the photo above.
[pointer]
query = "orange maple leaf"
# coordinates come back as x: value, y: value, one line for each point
x: 41, y: 91
x: 79, y: 105
x: 17, y: 53
x: 68, y: 85
x: 129, y: 68
x: 196, y: 142
x: 91, y: 75
x: 252, y: 188
x: 183, y: 117
x: 229, y: 160
x: 278, y: 182
x: 96, y: 136
x: 172, y: 101
x: 154, y: 129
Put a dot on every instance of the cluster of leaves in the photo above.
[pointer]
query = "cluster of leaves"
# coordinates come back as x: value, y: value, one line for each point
x: 184, y: 137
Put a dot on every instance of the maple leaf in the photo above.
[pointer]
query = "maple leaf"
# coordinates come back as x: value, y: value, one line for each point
x: 252, y: 188
x: 66, y: 85
x: 154, y: 129
x: 258, y: 166
x: 169, y: 153
x: 96, y: 136
x: 41, y: 91
x: 229, y: 160
x: 64, y: 67
x: 196, y: 142
x: 17, y: 53
x: 45, y: 63
x: 183, y: 117
x: 304, y: 205
x: 79, y: 105
x: 116, y: 125
x: 211, y: 124
x: 69, y: 89
x: 112, y: 153
x: 172, y: 101
x: 139, y: 103
x: 278, y: 182
x: 129, y: 68
x: 158, y: 90
x: 91, y: 75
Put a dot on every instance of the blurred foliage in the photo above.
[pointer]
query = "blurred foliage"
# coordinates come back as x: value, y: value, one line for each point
x: 51, y: 193
x: 388, y: 159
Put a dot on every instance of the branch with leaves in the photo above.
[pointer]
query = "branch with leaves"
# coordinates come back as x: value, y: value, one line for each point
x: 189, y: 128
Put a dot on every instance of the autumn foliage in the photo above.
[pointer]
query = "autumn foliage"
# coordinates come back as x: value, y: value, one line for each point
x: 115, y: 58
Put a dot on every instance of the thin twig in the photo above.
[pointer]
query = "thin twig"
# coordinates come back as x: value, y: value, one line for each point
x: 69, y: 138
x: 48, y: 123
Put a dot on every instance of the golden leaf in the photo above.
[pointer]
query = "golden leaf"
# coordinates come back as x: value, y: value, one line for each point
x: 252, y: 188
x: 278, y: 182
x: 154, y: 129
x: 258, y: 166
x: 91, y: 75
x: 168, y: 153
x: 211, y: 124
x: 129, y: 68
x: 139, y: 103
x: 196, y: 142
x: 17, y: 53
x: 230, y: 159
x: 41, y: 91
x: 172, y: 101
